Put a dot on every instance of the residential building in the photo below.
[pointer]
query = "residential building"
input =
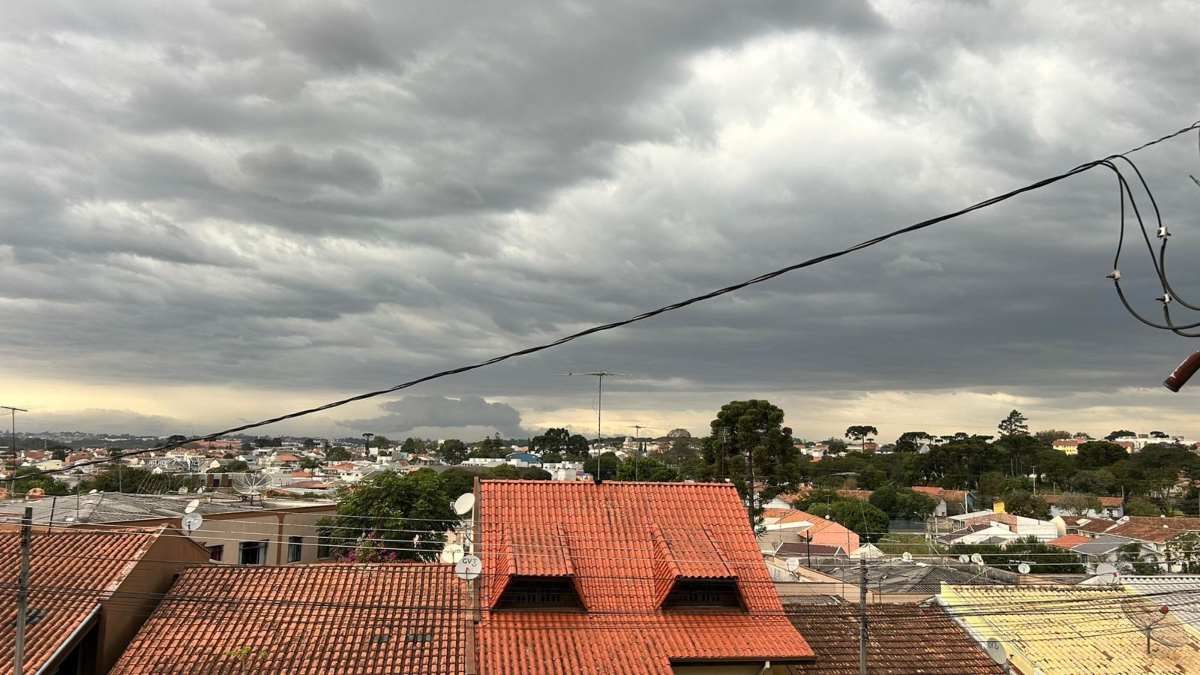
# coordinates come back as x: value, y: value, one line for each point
x: 625, y: 577
x: 89, y: 593
x: 330, y: 618
x: 1068, y: 446
x: 1068, y: 630
x: 1093, y: 552
x: 1110, y: 507
x: 1155, y: 535
x: 989, y: 527
x: 265, y: 532
x: 781, y: 526
x: 949, y: 502
x: 905, y: 638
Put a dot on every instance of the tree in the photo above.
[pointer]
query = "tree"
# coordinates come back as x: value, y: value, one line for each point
x: 1141, y: 506
x: 1048, y: 436
x: 58, y: 453
x: 910, y: 441
x: 410, y: 445
x: 902, y: 503
x: 1119, y: 433
x: 748, y: 437
x: 551, y: 458
x: 1097, y: 454
x: 28, y: 478
x: 137, y: 480
x: 1184, y: 549
x: 860, y: 433
x: 489, y: 448
x: 310, y: 463
x: 835, y: 446
x: 646, y: 469
x: 608, y: 463
x: 556, y: 439
x: 1014, y: 425
x: 379, y: 518
x: 1077, y: 503
x: 1042, y: 558
x: 866, y: 520
x: 453, y: 451
x: 1022, y: 503
x: 338, y: 454
x: 382, y: 442
x: 577, y: 448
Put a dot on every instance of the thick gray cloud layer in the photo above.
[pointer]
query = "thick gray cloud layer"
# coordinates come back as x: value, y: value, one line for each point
x: 345, y: 195
x: 412, y: 412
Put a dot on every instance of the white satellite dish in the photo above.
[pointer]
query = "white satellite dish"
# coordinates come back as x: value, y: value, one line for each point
x: 468, y: 568
x: 996, y: 650
x: 976, y: 558
x: 793, y: 564
x: 92, y: 492
x: 1023, y: 568
x: 214, y: 464
x: 157, y: 471
x: 906, y: 556
x: 964, y: 558
x: 192, y: 522
x: 452, y: 553
x: 464, y: 503
x: 182, y: 490
x: 191, y: 506
x: 1108, y: 573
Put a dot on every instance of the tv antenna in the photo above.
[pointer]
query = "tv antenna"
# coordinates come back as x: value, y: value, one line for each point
x: 599, y: 375
x: 468, y: 568
x: 464, y: 503
x: 1147, y: 617
x: 251, y: 486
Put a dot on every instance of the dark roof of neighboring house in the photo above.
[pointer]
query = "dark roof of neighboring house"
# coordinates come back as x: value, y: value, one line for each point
x: 902, y: 639
x: 1157, y: 530
x: 93, y: 562
x: 374, y: 618
x: 904, y: 579
x: 801, y: 549
x: 623, y: 546
x: 1092, y: 525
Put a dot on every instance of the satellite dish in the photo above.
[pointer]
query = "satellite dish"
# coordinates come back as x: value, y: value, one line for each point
x: 996, y: 650
x: 1023, y: 568
x: 464, y: 503
x: 157, y: 471
x: 191, y: 506
x: 976, y: 558
x: 964, y: 558
x: 452, y: 553
x: 182, y: 490
x: 92, y: 492
x: 793, y: 564
x: 906, y: 556
x: 468, y: 568
x: 192, y: 522
x: 214, y: 464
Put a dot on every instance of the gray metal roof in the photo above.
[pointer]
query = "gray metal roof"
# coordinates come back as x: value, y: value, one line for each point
x: 113, y: 507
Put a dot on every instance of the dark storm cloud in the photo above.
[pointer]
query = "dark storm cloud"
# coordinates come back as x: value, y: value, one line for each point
x: 411, y: 412
x: 345, y: 195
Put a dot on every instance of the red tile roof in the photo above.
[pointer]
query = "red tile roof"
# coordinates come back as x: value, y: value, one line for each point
x: 1105, y: 502
x: 1151, y: 529
x: 94, y: 562
x: 627, y: 542
x: 901, y: 639
x: 1068, y: 541
x: 1092, y: 525
x: 949, y: 496
x: 328, y: 618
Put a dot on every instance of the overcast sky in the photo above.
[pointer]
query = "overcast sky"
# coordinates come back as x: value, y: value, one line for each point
x: 215, y: 212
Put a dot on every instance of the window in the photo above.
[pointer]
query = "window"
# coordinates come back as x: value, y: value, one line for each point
x: 295, y: 546
x: 539, y: 593
x: 216, y: 552
x: 703, y: 593
x: 252, y: 553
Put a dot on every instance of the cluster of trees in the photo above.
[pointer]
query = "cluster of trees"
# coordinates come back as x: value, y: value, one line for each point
x: 869, y: 519
x: 393, y: 516
x: 1041, y: 558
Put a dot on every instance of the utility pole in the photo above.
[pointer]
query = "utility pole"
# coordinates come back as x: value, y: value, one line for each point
x: 862, y: 616
x: 23, y: 592
x: 12, y: 486
x: 599, y: 375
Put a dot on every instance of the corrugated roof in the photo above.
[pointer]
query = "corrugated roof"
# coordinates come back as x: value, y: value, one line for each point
x: 610, y: 532
x: 94, y: 564
x: 1071, y: 630
x: 1151, y: 529
x: 327, y: 618
x: 902, y: 639
x: 1180, y: 592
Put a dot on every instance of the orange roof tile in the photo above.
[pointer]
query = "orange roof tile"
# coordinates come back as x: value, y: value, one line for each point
x: 97, y: 563
x: 1068, y: 541
x: 625, y: 541
x: 328, y: 618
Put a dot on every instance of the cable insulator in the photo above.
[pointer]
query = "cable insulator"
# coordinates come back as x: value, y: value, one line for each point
x: 1115, y: 275
x: 1165, y: 298
x: 1163, y: 232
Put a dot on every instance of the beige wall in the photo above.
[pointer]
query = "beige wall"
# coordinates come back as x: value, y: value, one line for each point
x: 138, y: 594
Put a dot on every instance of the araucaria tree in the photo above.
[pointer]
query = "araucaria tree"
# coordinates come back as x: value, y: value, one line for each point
x: 750, y: 430
x: 1014, y: 425
x: 860, y: 433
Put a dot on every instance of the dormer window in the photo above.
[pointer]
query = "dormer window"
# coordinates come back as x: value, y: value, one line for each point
x: 702, y: 594
x: 539, y: 593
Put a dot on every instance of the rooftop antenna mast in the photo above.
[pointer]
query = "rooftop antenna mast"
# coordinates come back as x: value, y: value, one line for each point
x: 12, y: 486
x: 599, y: 375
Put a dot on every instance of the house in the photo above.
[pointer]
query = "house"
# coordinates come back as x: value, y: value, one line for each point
x: 1090, y: 527
x: 89, y: 593
x: 780, y: 526
x: 329, y: 618
x: 1067, y: 630
x: 1068, y: 446
x: 1155, y: 535
x: 949, y: 502
x: 635, y: 578
x: 523, y: 459
x: 989, y: 527
x: 904, y: 638
x: 1110, y: 507
x: 266, y: 532
x: 1092, y: 551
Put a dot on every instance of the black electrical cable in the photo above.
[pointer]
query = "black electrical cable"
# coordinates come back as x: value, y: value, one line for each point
x: 648, y: 314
